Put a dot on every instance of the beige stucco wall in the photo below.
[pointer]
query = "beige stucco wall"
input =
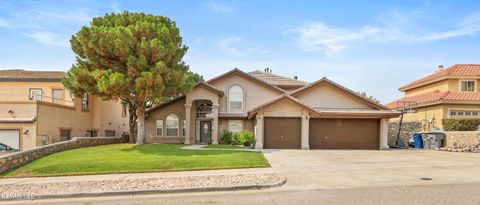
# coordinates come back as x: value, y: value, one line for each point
x: 440, y: 85
x: 326, y: 95
x: 51, y: 118
x: 283, y: 108
x: 247, y: 124
x: 460, y: 107
x: 101, y: 116
x: 20, y: 110
x: 177, y: 108
x: 424, y: 114
x: 201, y: 93
x: 110, y: 117
x: 255, y: 94
x: 451, y: 84
x: 19, y: 91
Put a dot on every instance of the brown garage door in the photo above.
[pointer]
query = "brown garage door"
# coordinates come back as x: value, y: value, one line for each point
x: 282, y: 133
x: 344, y: 134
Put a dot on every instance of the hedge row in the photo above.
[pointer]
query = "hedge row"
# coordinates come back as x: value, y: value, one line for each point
x: 461, y: 124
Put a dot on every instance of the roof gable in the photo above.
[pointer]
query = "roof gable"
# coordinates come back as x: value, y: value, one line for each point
x: 255, y: 110
x: 345, y: 90
x: 208, y: 87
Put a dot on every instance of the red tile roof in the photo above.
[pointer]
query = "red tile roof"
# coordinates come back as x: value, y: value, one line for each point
x: 470, y: 70
x: 434, y: 97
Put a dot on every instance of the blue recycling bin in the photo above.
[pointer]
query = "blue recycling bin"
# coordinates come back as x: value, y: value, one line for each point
x: 418, y: 141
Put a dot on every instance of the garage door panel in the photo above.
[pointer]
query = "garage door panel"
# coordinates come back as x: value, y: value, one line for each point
x: 344, y: 134
x: 282, y: 133
x: 10, y: 138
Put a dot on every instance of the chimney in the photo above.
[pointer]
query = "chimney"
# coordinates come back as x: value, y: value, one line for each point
x: 440, y: 67
x: 295, y: 77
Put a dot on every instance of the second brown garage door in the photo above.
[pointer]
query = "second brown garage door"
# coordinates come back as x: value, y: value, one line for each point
x: 282, y: 133
x: 344, y: 134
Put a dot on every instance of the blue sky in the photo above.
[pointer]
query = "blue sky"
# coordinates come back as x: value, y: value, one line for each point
x: 374, y: 47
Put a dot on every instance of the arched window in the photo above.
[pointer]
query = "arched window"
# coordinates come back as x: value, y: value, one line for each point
x: 235, y: 98
x: 205, y: 110
x: 171, y: 123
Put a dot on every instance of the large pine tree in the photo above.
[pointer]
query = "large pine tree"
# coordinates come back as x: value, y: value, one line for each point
x: 134, y: 57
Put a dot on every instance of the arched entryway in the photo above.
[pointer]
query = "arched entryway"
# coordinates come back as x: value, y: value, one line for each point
x: 204, y: 118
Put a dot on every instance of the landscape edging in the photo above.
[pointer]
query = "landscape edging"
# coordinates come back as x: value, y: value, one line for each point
x: 279, y: 183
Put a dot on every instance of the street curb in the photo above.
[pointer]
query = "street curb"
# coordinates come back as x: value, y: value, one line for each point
x: 279, y: 183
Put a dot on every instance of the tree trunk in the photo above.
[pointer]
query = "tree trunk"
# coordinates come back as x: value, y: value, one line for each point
x: 133, y: 125
x: 141, y: 124
x: 132, y: 121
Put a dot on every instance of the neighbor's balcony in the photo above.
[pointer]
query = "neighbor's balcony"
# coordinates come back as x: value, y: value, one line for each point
x: 22, y: 98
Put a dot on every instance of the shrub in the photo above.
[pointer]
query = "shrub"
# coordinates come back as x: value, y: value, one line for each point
x: 460, y: 124
x: 227, y: 137
x: 244, y: 138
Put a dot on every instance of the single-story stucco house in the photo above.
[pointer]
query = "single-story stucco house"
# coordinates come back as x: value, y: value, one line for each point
x: 282, y: 112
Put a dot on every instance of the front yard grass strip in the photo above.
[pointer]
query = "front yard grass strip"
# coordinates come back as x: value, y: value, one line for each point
x: 130, y: 158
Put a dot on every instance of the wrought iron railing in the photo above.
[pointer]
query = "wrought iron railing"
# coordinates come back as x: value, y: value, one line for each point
x: 16, y: 97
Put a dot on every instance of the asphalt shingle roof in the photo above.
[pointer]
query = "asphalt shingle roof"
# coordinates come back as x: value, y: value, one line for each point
x: 277, y: 80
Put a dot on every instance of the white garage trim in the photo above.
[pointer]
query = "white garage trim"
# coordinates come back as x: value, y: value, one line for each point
x: 10, y: 137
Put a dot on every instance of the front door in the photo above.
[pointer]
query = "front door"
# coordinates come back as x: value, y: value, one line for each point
x: 205, y: 131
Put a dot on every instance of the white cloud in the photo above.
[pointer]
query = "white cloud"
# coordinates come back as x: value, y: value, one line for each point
x: 235, y: 46
x: 220, y: 7
x: 318, y: 36
x: 4, y: 23
x: 47, y: 25
x: 116, y: 7
x: 48, y: 38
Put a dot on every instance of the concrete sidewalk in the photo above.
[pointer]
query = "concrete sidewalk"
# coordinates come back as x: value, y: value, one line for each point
x: 139, y: 183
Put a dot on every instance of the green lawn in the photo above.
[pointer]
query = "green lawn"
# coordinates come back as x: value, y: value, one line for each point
x: 223, y: 146
x: 123, y: 158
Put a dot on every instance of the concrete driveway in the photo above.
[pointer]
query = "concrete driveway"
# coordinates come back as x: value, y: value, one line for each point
x: 333, y: 169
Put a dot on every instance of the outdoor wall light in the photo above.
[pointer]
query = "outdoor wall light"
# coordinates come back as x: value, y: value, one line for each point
x: 10, y: 112
x: 26, y: 132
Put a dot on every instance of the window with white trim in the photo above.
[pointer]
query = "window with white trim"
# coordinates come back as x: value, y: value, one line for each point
x: 35, y: 94
x: 464, y: 114
x: 467, y: 86
x: 235, y: 98
x: 85, y: 102
x: 159, y: 127
x: 235, y: 126
x: 171, y: 123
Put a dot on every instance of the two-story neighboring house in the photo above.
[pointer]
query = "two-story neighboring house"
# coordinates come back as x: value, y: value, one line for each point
x: 36, y: 109
x: 451, y: 92
x: 282, y: 112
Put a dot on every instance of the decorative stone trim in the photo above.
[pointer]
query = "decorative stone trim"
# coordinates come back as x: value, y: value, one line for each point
x: 17, y: 159
x: 408, y: 128
x: 462, y: 141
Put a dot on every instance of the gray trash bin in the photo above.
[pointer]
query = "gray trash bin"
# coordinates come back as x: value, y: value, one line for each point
x: 426, y: 141
x: 433, y: 140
